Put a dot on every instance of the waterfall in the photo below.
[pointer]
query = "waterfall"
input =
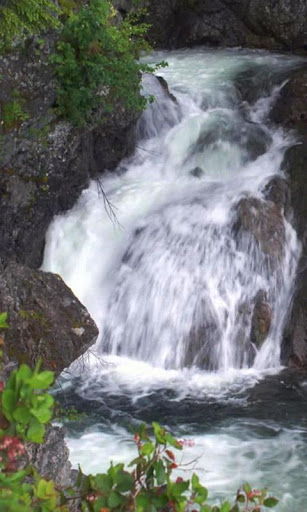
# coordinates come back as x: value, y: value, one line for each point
x: 176, y: 282
x: 191, y: 286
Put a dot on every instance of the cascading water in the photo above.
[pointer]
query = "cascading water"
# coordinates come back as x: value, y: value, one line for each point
x: 173, y: 286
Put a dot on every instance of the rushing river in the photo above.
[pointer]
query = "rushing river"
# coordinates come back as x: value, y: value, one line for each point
x: 172, y: 283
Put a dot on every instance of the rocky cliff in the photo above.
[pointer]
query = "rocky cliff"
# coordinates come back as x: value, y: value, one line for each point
x: 271, y: 24
x: 291, y: 111
x: 45, y: 162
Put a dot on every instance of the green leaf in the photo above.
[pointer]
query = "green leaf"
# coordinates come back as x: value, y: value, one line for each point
x: 24, y: 372
x: 3, y: 318
x: 202, y: 494
x: 103, y: 483
x: 115, y: 499
x: 172, y: 441
x: 159, y: 433
x: 42, y: 380
x: 22, y: 415
x: 270, y: 502
x: 36, y: 432
x: 143, y: 501
x: 178, y: 488
x: 247, y: 488
x: 124, y: 481
x: 205, y: 508
x: 160, y: 472
x: 41, y: 489
x: 226, y: 507
x: 8, y: 402
x: 194, y: 481
x: 42, y: 415
x: 147, y: 449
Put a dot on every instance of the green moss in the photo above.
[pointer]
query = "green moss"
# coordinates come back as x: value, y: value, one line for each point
x: 13, y: 113
x: 36, y: 316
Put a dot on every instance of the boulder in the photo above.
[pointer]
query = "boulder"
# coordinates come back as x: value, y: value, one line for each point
x: 203, y: 341
x: 46, y: 320
x: 263, y: 221
x: 290, y: 109
x: 277, y: 190
x: 261, y: 319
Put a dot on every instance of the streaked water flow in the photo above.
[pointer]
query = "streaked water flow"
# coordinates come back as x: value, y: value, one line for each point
x: 173, y: 286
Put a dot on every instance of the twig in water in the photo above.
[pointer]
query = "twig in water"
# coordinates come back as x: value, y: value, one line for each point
x: 108, y: 206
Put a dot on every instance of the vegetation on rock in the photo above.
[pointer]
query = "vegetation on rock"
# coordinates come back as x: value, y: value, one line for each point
x: 96, y: 62
x: 20, y: 17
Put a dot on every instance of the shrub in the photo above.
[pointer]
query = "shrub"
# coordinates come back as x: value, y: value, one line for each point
x: 95, y: 63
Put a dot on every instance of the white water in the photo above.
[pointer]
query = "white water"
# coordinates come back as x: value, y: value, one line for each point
x: 167, y: 285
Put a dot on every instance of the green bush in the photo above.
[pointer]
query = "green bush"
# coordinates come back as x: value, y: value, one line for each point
x: 96, y: 64
x: 19, y: 17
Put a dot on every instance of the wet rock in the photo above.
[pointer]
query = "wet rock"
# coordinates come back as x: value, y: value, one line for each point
x: 164, y: 84
x: 201, y: 346
x: 290, y: 110
x: 252, y: 140
x: 244, y: 348
x: 197, y: 172
x: 294, y: 345
x: 261, y: 319
x: 278, y: 191
x: 263, y: 221
x: 46, y: 320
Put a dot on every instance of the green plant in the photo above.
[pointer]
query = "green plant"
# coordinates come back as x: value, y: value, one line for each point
x: 3, y: 322
x: 95, y: 63
x: 19, y: 17
x: 145, y: 485
x: 13, y: 113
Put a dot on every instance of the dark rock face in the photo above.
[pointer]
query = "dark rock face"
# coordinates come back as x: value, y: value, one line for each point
x: 291, y: 111
x: 46, y: 320
x: 273, y: 24
x: 46, y: 163
x: 294, y: 348
x: 263, y: 221
x: 261, y: 319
